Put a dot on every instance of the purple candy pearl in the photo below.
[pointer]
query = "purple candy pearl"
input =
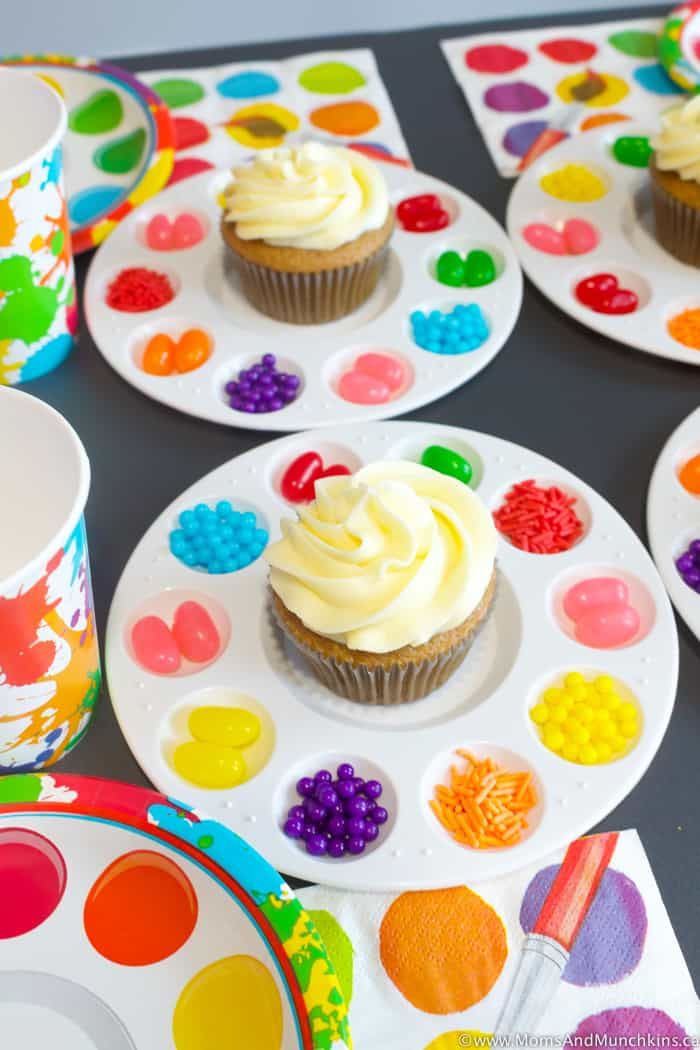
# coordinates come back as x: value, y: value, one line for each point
x: 269, y: 360
x: 317, y: 845
x: 378, y: 815
x: 335, y: 825
x: 323, y: 776
x: 695, y: 547
x: 684, y: 563
x: 309, y: 830
x: 371, y: 831
x: 346, y: 789
x: 373, y: 789
x: 692, y: 577
x: 297, y: 813
x: 326, y: 795
x: 336, y: 848
x: 275, y: 404
x: 294, y: 828
x: 357, y: 807
x: 346, y: 771
x: 337, y: 809
x: 306, y: 787
x: 314, y: 810
x: 359, y: 784
x: 356, y: 845
x: 231, y: 388
x: 356, y: 826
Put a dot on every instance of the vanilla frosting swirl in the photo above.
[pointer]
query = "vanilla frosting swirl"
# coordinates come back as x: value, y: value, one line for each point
x: 388, y: 557
x: 678, y: 143
x: 311, y: 196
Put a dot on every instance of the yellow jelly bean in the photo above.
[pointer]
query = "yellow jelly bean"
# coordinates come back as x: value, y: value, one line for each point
x: 604, y: 751
x: 575, y: 183
x: 208, y: 765
x: 231, y: 726
x: 558, y: 715
x: 574, y: 679
x: 626, y: 712
x: 583, y: 712
x: 604, y: 684
x: 552, y: 696
x: 553, y: 738
x: 570, y: 751
x: 539, y: 714
x: 588, y: 755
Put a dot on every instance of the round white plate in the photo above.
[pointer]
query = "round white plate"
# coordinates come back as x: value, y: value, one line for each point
x: 520, y: 651
x: 673, y: 517
x: 209, y: 297
x: 627, y: 246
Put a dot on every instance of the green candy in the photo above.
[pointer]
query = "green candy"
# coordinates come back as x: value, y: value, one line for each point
x: 451, y: 269
x: 633, y: 150
x: 479, y: 269
x: 445, y: 461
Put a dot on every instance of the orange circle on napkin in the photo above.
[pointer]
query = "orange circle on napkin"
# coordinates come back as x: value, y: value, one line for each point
x: 443, y: 949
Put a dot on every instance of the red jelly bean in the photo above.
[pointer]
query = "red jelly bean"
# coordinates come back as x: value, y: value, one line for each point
x: 381, y: 366
x: 333, y: 471
x: 297, y: 484
x: 422, y: 214
x: 154, y: 645
x: 195, y: 633
x: 623, y: 301
x: 602, y: 293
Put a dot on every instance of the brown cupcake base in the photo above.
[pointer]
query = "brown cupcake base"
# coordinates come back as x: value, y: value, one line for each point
x: 676, y: 215
x: 399, y: 677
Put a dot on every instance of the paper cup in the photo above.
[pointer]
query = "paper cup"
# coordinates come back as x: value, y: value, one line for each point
x: 49, y: 658
x: 38, y: 313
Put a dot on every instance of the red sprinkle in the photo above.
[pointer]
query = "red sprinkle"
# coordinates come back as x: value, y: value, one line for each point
x: 137, y: 289
x: 539, y: 520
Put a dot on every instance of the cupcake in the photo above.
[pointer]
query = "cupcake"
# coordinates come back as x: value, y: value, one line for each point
x: 308, y: 228
x: 675, y: 181
x: 383, y: 580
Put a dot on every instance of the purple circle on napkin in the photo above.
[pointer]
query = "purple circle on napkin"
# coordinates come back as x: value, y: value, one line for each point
x: 626, y: 1021
x: 516, y: 96
x: 611, y: 940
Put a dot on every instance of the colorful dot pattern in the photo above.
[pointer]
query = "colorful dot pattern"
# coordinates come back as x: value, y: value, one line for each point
x: 535, y: 71
x: 223, y: 113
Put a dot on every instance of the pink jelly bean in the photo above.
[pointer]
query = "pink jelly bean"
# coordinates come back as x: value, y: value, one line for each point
x: 154, y: 645
x: 588, y: 594
x: 195, y: 633
x: 607, y: 626
x: 387, y: 369
x: 187, y: 230
x: 159, y: 233
x: 580, y: 236
x: 362, y: 389
x: 545, y: 238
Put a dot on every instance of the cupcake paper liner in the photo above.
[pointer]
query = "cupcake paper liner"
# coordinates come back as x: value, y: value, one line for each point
x: 677, y: 225
x: 310, y: 298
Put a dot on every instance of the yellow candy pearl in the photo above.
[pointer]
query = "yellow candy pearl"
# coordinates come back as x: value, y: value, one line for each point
x: 540, y: 713
x: 629, y: 730
x: 574, y: 679
x: 553, y: 738
x: 230, y: 726
x: 570, y: 751
x: 588, y: 755
x: 558, y: 715
x: 604, y: 751
x: 583, y: 712
x: 212, y: 766
x: 552, y: 696
x: 604, y: 684
x: 617, y: 743
x: 626, y: 712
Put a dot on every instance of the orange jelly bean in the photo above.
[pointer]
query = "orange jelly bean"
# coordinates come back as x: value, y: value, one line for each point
x: 192, y: 350
x: 689, y: 476
x: 158, y: 357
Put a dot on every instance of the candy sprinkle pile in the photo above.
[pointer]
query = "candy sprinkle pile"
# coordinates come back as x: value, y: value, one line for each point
x: 539, y: 520
x: 586, y: 722
x: 217, y: 541
x: 485, y: 806
x: 336, y: 816
x: 138, y: 289
x: 461, y: 330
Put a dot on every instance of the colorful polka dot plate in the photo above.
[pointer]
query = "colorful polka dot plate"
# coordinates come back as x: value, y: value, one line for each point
x: 205, y: 293
x: 119, y: 147
x: 673, y: 515
x: 129, y: 922
x: 527, y: 647
x: 640, y: 295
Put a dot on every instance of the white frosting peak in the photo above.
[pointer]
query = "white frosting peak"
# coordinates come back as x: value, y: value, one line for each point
x: 678, y: 143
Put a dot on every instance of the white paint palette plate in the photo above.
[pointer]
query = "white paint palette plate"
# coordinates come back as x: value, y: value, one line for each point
x: 209, y: 297
x: 673, y: 517
x: 128, y: 922
x: 526, y: 645
x: 627, y: 246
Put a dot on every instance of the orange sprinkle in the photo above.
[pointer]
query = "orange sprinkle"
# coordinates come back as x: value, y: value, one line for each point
x: 484, y: 807
x: 685, y: 328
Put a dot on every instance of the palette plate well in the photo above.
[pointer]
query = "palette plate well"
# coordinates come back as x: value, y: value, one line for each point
x: 627, y: 247
x: 673, y: 517
x: 129, y: 922
x: 119, y: 147
x: 208, y: 296
x: 523, y: 648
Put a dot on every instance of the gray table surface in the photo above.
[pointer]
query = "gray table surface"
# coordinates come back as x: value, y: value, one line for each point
x: 598, y: 408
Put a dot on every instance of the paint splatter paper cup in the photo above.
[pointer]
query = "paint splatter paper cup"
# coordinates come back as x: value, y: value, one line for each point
x: 49, y: 657
x: 38, y: 313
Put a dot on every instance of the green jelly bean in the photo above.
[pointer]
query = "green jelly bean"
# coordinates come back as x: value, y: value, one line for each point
x: 446, y: 461
x: 479, y: 268
x: 450, y: 269
x: 633, y: 150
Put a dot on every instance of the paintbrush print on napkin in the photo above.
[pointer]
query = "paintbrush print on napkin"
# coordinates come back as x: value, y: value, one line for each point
x: 223, y: 113
x: 422, y: 970
x: 516, y: 83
